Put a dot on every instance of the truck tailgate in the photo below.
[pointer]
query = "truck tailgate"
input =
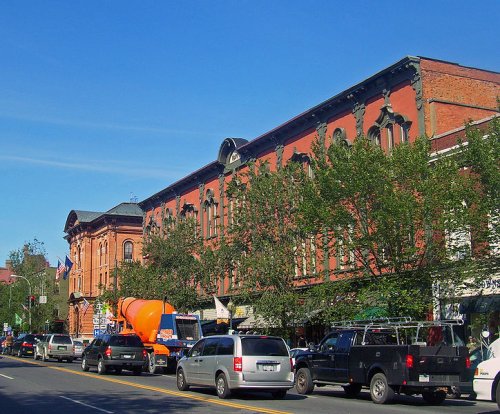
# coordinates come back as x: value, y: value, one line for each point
x: 438, y: 359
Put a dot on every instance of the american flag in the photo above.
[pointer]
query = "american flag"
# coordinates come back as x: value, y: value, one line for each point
x: 60, y: 269
x: 85, y: 306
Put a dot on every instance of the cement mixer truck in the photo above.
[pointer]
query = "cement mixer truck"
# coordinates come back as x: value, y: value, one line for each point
x: 165, y: 333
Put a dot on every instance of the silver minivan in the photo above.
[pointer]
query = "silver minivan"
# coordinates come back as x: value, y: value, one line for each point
x: 232, y: 362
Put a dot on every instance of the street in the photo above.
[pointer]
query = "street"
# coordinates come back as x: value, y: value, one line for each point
x: 34, y: 387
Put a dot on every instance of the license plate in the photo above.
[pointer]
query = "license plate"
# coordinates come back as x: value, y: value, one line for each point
x: 424, y: 378
x: 61, y: 348
x: 126, y: 356
x: 268, y: 368
x: 29, y: 352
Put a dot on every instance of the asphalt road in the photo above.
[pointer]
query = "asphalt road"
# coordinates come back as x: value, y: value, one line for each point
x: 35, y: 387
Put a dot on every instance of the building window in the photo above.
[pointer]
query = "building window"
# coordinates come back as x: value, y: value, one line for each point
x: 390, y: 137
x: 211, y: 216
x: 106, y: 253
x: 79, y: 256
x: 128, y: 250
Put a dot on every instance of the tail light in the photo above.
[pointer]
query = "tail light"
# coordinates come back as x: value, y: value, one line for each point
x: 49, y: 347
x: 74, y: 349
x: 238, y: 364
x: 409, y: 361
x: 291, y: 364
x: 144, y: 353
x: 467, y: 362
x: 27, y: 344
x: 476, y: 372
x: 107, y: 352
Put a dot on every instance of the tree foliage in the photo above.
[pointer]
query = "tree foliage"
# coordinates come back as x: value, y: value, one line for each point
x: 265, y: 238
x: 394, y: 219
x: 30, y: 262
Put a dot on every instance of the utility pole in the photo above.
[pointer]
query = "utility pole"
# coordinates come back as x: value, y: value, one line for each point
x: 29, y: 302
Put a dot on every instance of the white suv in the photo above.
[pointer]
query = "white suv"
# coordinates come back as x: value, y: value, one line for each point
x: 57, y: 346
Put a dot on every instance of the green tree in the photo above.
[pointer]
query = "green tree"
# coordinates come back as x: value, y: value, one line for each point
x: 30, y: 262
x: 390, y: 219
x: 172, y: 269
x: 266, y: 242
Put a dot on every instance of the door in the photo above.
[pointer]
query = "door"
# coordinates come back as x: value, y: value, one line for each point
x: 340, y: 364
x: 192, y: 363
x: 92, y: 351
x: 324, y: 361
x: 208, y: 362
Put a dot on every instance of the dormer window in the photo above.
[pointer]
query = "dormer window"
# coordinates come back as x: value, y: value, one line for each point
x: 235, y: 156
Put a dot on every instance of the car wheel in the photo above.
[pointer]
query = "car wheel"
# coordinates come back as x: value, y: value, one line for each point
x: 497, y: 394
x: 380, y: 391
x: 304, y: 384
x: 101, y: 368
x: 85, y: 365
x: 152, y: 367
x: 221, y: 387
x: 279, y: 395
x: 70, y: 360
x: 352, y: 390
x: 434, y: 397
x: 182, y: 384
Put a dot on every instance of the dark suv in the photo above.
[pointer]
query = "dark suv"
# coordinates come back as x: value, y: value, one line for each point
x: 24, y: 345
x: 117, y: 352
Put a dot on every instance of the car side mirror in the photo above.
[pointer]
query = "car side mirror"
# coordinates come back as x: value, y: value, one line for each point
x: 311, y: 346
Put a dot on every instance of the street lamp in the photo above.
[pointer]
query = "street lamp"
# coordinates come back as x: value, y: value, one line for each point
x: 230, y: 308
x: 29, y: 302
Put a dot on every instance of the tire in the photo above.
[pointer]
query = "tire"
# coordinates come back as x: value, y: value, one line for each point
x: 352, y: 390
x: 101, y: 368
x: 118, y: 370
x: 221, y: 387
x: 85, y: 365
x: 182, y: 384
x: 497, y: 395
x: 380, y: 391
x: 434, y: 397
x: 304, y: 383
x: 70, y: 360
x: 137, y: 371
x: 279, y: 394
x: 152, y: 367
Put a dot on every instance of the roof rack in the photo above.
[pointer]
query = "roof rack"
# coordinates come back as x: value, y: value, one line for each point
x: 396, y: 325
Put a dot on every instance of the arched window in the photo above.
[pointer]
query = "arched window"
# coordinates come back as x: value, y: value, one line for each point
x: 128, y: 251
x: 99, y: 254
x: 105, y: 252
x: 211, y: 216
x: 390, y: 128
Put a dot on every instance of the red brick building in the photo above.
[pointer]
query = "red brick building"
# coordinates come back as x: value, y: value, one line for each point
x: 414, y: 97
x: 98, y: 242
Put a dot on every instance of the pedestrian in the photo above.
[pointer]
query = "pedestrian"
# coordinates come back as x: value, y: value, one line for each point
x: 302, y: 343
x: 9, y: 341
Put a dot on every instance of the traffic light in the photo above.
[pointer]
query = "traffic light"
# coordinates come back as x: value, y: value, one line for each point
x: 32, y: 301
x: 27, y: 301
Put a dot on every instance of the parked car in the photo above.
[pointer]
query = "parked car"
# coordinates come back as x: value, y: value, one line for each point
x: 486, y: 382
x: 24, y: 345
x: 57, y: 346
x: 115, y: 351
x: 78, y: 349
x: 232, y: 362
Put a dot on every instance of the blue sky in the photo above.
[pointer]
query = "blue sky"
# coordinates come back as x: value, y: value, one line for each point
x: 101, y: 101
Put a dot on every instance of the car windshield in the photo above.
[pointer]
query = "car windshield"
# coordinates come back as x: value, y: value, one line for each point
x: 263, y: 346
x: 78, y: 343
x: 122, y: 340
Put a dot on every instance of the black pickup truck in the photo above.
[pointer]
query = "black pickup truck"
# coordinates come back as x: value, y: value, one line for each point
x: 386, y: 359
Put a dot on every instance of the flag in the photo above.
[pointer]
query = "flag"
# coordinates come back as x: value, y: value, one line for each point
x: 85, y: 305
x: 60, y: 269
x: 222, y: 311
x: 18, y: 319
x: 68, y: 264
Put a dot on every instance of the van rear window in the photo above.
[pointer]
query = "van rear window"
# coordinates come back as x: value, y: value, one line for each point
x: 263, y: 347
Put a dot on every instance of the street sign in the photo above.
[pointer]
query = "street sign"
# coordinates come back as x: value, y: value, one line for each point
x: 43, y: 299
x: 95, y: 320
x: 97, y: 332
